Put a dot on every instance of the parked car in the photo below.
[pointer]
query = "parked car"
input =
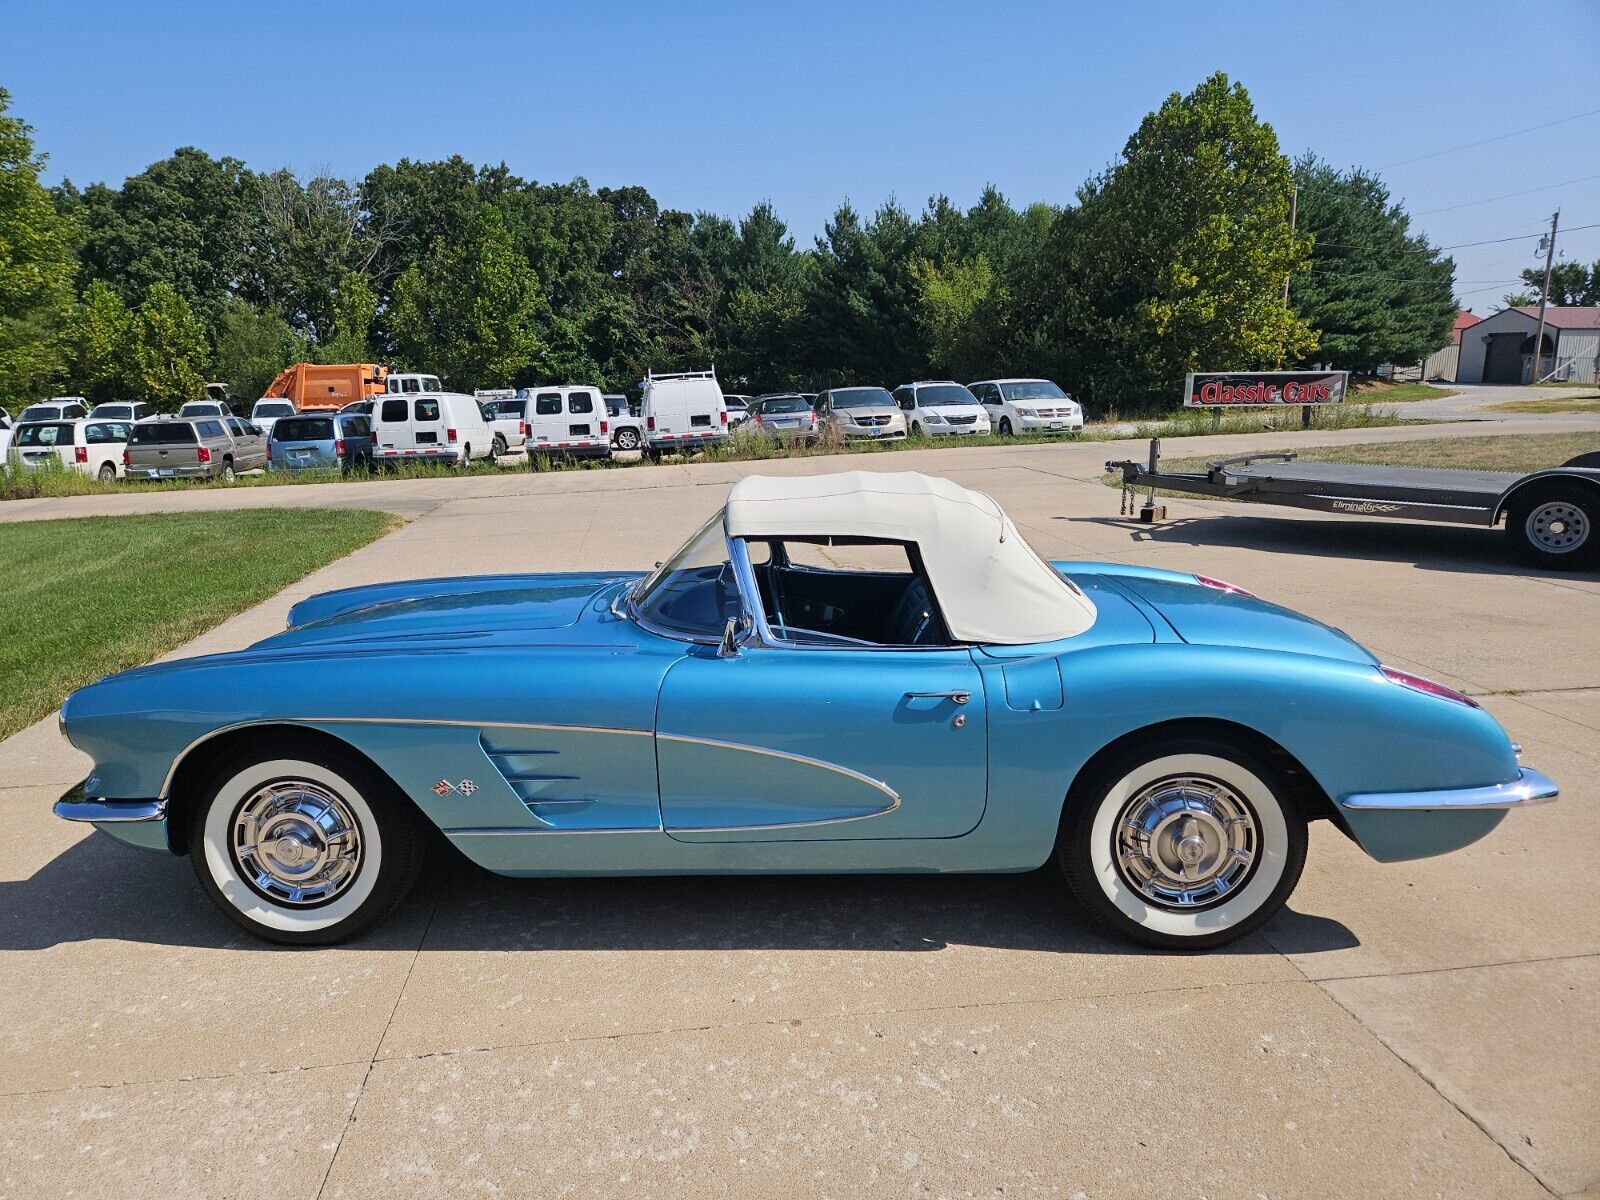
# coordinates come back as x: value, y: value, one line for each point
x: 1028, y: 406
x: 506, y: 424
x: 204, y: 408
x: 122, y: 410
x: 786, y: 416
x: 627, y: 427
x: 86, y: 445
x: 267, y: 410
x: 321, y: 441
x: 61, y: 408
x: 5, y: 434
x: 738, y: 408
x: 569, y: 422
x: 939, y: 408
x: 417, y: 421
x: 683, y: 412
x: 861, y: 412
x: 928, y: 695
x: 170, y: 448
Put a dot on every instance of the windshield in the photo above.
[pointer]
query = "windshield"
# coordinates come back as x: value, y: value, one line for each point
x: 40, y: 412
x: 793, y: 405
x: 944, y: 393
x: 693, y: 592
x: 431, y: 384
x: 1033, y: 389
x: 274, y: 410
x: 862, y: 398
x: 202, y: 409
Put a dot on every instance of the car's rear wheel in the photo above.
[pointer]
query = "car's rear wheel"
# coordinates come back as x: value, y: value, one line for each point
x: 498, y: 450
x: 1553, y: 525
x: 1188, y: 844
x: 304, y: 849
x: 228, y: 473
x: 108, y: 473
x: 627, y: 439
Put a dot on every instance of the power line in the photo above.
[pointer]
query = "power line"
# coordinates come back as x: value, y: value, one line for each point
x: 1500, y: 137
x: 1521, y: 237
x: 1509, y: 195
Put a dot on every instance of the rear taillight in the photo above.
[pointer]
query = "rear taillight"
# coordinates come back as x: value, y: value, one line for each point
x: 80, y: 454
x: 605, y: 427
x: 127, y: 459
x: 724, y: 415
x: 1427, y: 686
x: 524, y: 428
x: 269, y: 451
x: 203, y: 454
x: 1231, y: 588
x: 338, y: 448
x: 450, y: 436
x: 650, y: 424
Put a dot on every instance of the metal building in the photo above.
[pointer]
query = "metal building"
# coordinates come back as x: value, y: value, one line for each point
x: 1499, y: 348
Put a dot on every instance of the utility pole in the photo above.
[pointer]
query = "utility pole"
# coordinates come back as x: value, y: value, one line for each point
x: 1544, y: 297
x: 1294, y: 221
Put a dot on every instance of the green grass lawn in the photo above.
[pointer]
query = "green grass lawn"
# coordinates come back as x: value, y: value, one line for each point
x: 1582, y: 403
x: 86, y: 597
x: 1398, y: 393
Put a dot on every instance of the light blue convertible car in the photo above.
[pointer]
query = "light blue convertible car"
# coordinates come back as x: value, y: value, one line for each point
x: 841, y: 673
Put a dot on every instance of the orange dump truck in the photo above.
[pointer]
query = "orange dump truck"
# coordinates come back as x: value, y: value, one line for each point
x: 310, y: 386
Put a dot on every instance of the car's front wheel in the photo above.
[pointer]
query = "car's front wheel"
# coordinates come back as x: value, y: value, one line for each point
x: 1188, y: 844
x: 627, y: 439
x: 304, y: 849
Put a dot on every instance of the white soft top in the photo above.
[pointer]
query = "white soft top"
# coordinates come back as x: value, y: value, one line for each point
x: 990, y: 585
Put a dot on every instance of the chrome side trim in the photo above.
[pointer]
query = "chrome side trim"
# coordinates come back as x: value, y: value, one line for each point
x: 76, y: 805
x: 1530, y: 787
x: 529, y: 831
x: 803, y: 760
x: 172, y: 771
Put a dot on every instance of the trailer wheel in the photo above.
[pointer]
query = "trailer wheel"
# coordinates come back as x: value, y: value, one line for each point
x: 1553, y: 525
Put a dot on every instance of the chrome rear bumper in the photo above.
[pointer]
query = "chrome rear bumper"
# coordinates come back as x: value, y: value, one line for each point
x: 1530, y: 787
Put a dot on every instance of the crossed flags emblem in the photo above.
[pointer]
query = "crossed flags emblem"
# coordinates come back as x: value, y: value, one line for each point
x: 444, y: 787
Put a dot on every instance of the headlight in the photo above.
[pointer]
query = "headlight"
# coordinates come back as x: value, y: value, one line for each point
x: 934, y: 418
x: 1027, y: 412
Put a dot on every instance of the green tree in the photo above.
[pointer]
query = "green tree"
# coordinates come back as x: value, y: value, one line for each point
x: 1176, y: 256
x: 98, y: 343
x: 252, y: 346
x: 168, y: 350
x: 1571, y: 285
x: 1375, y: 293
x: 466, y: 309
x: 37, y: 265
x: 952, y: 301
x: 354, y: 306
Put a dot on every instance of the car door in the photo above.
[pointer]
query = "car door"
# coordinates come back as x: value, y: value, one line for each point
x: 250, y: 447
x: 822, y: 744
x: 392, y: 430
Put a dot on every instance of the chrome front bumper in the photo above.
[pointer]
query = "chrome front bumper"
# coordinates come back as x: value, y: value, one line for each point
x: 1530, y: 787
x: 78, y: 805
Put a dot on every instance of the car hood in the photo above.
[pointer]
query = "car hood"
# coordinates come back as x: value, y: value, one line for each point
x: 447, y: 609
x: 1209, y: 616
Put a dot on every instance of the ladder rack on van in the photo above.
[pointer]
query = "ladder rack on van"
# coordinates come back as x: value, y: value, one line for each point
x: 651, y: 376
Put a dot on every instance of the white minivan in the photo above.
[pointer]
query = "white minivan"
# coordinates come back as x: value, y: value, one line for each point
x: 567, y: 422
x: 417, y: 420
x: 89, y: 446
x: 941, y: 408
x: 683, y: 411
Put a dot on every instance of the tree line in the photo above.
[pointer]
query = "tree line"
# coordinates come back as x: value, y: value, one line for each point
x: 1174, y: 258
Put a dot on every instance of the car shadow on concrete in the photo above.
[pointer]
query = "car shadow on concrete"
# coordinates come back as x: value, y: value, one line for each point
x: 1452, y: 548
x: 100, y: 889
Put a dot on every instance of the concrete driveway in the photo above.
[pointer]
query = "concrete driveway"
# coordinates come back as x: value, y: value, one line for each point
x: 1476, y: 402
x: 1415, y: 1029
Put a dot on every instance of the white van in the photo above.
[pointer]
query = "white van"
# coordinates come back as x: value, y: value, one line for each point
x: 83, y: 444
x: 417, y: 420
x: 683, y: 411
x: 570, y: 422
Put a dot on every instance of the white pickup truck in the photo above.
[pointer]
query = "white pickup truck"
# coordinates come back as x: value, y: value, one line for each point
x: 506, y: 411
x: 627, y: 430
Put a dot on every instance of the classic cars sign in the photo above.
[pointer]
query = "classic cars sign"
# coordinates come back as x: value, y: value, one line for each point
x: 1263, y: 389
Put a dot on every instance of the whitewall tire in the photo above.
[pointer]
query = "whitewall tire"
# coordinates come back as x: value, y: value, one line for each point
x: 1188, y: 844
x: 306, y: 850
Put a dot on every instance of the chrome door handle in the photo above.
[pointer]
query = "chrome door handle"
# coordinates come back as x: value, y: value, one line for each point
x: 960, y: 697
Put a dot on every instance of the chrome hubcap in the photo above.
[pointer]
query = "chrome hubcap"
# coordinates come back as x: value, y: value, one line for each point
x: 1558, y: 527
x: 297, y: 843
x: 1186, y: 842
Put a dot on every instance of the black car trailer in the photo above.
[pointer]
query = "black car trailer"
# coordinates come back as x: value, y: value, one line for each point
x: 1552, y: 516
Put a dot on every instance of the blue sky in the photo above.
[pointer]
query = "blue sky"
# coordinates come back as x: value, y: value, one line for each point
x: 716, y: 105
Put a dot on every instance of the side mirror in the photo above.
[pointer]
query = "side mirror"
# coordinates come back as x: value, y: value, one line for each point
x: 732, y: 632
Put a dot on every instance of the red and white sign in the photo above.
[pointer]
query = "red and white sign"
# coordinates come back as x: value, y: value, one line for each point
x: 1264, y: 389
